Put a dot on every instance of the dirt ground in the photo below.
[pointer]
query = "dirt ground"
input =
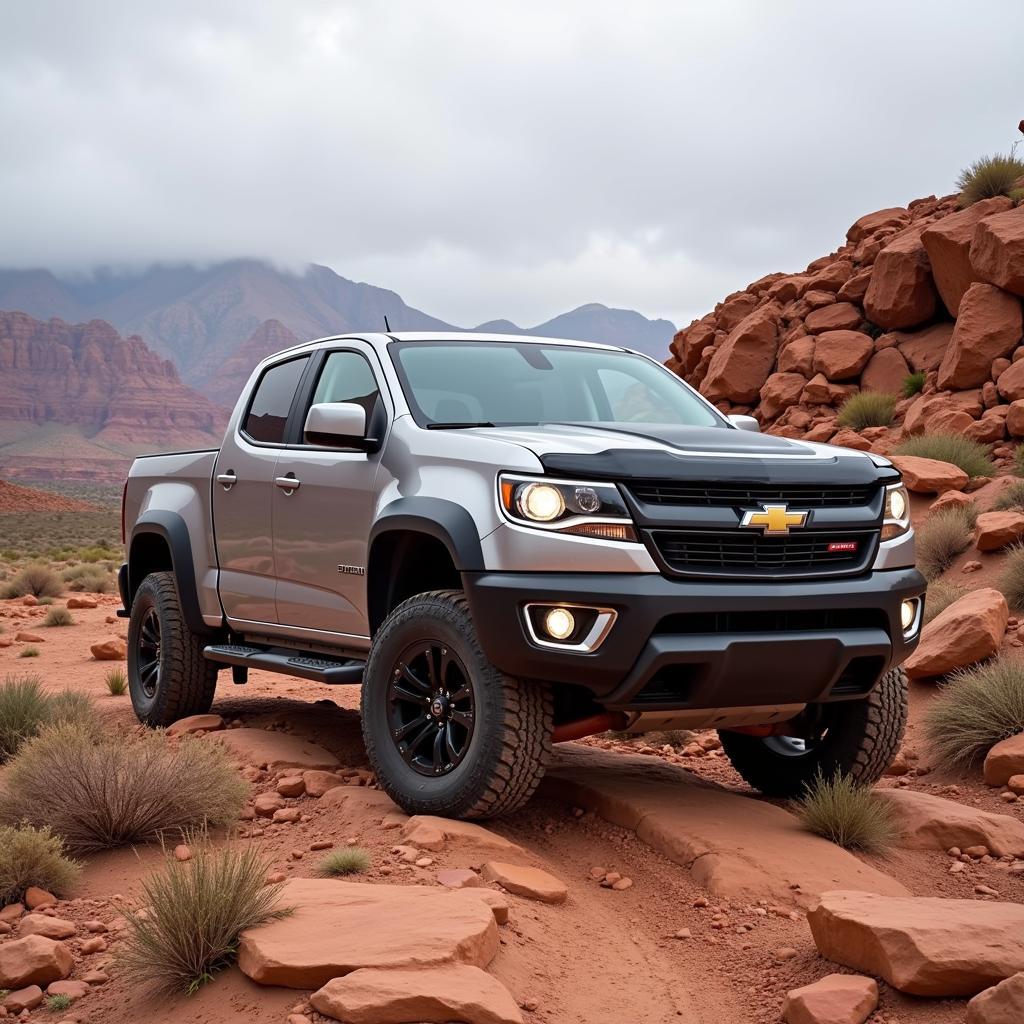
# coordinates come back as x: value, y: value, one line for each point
x: 601, y: 957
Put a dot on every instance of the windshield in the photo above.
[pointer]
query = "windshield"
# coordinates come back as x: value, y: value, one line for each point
x: 500, y: 383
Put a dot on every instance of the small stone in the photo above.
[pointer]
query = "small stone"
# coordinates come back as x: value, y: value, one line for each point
x: 622, y: 883
x: 23, y: 999
x: 683, y: 933
x: 96, y: 977
x: 36, y: 898
x: 275, y: 878
x: 288, y: 815
x: 182, y: 853
x: 95, y: 927
x: 459, y: 878
x: 424, y: 862
x: 598, y: 873
x: 985, y: 890
x: 291, y: 786
x: 97, y: 944
x: 976, y: 852
x: 785, y: 953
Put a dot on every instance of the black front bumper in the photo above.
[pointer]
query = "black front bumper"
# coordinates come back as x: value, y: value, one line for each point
x: 680, y: 644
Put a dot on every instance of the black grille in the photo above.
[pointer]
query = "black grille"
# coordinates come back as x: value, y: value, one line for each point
x: 742, y: 553
x: 715, y: 495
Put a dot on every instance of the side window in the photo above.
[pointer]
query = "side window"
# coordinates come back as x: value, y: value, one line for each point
x: 268, y: 412
x: 347, y: 377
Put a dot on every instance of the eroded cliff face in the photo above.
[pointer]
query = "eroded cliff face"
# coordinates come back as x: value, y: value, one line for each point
x: 929, y: 288
x: 89, y: 376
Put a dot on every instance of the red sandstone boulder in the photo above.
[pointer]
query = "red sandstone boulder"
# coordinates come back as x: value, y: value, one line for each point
x: 81, y: 601
x: 834, y: 999
x: 901, y: 292
x: 831, y: 276
x: 841, y: 355
x: 1005, y: 760
x: 921, y: 945
x: 948, y: 244
x: 533, y: 883
x: 1015, y: 419
x: 840, y: 316
x: 924, y: 349
x: 885, y: 371
x: 997, y: 251
x: 966, y: 632
x: 797, y: 356
x: 989, y: 326
x: 453, y: 992
x: 691, y: 342
x: 1011, y: 382
x: 780, y: 391
x: 735, y: 309
x: 33, y: 960
x: 742, y: 363
x: 995, y: 530
x: 929, y: 476
x: 856, y: 287
x: 892, y: 217
x: 1000, y: 1004
x: 114, y: 649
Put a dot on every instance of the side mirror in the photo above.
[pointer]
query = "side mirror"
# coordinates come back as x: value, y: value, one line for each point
x: 338, y: 425
x: 746, y: 423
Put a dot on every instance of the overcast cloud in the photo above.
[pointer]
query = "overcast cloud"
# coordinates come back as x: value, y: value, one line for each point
x: 490, y: 159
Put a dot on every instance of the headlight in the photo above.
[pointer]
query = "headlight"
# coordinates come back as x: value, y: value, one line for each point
x: 897, y: 512
x: 568, y: 506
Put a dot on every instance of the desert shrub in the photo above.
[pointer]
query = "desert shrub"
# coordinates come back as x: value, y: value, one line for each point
x: 29, y: 652
x: 942, y: 537
x: 939, y: 597
x: 913, y: 384
x: 91, y: 579
x: 99, y: 791
x: 59, y: 617
x: 867, y: 409
x: 1011, y: 581
x: 976, y: 709
x: 195, y: 912
x: 46, y: 601
x: 72, y: 707
x: 31, y: 856
x: 117, y: 682
x: 58, y: 1003
x: 38, y: 580
x: 1011, y: 498
x: 1018, y: 460
x: 349, y: 860
x: 990, y: 176
x: 970, y: 456
x: 851, y: 816
x: 25, y: 709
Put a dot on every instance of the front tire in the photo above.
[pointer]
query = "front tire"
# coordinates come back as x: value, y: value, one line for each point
x: 168, y: 677
x: 446, y: 733
x: 858, y: 739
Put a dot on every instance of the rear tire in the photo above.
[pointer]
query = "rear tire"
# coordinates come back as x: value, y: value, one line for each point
x: 446, y: 733
x: 859, y: 739
x: 168, y: 677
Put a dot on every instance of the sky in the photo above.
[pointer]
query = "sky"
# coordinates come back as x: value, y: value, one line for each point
x: 494, y: 159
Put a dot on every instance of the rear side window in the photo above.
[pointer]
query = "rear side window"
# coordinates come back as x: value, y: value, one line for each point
x: 268, y: 411
x: 347, y: 377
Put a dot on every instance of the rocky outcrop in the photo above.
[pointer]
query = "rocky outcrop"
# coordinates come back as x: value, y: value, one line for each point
x: 922, y: 946
x: 968, y: 631
x: 229, y: 376
x: 272, y: 750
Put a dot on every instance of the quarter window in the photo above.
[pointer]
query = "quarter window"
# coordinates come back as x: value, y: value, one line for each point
x: 268, y: 412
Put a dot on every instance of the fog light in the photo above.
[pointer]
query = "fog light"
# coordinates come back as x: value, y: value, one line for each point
x: 559, y: 623
x: 908, y: 614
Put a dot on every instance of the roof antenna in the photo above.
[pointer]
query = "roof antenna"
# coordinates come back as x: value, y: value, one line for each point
x: 387, y: 326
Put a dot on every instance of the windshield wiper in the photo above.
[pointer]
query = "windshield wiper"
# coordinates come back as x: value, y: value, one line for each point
x: 458, y: 426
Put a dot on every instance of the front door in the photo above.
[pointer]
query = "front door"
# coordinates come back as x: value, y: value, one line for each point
x: 243, y: 490
x: 322, y: 525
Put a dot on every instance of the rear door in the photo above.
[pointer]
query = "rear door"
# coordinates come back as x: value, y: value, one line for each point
x: 243, y: 489
x: 321, y: 527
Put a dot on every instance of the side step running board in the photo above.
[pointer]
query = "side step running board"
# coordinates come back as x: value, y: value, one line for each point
x: 319, y: 667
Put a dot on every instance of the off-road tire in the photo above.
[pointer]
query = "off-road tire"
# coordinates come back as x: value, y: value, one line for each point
x: 186, y: 680
x: 862, y: 739
x: 511, y: 743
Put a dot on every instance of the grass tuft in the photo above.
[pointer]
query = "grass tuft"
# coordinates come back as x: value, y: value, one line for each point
x: 913, y: 384
x: 30, y: 856
x: 867, y: 409
x: 24, y: 710
x: 117, y: 682
x: 970, y: 456
x: 1011, y: 498
x: 350, y: 860
x: 972, y: 712
x: 58, y: 1003
x: 939, y: 597
x: 942, y: 537
x: 195, y: 912
x: 990, y: 176
x: 91, y: 579
x: 39, y: 580
x: 99, y: 791
x: 851, y: 816
x: 1011, y: 581
x: 59, y: 617
x: 29, y: 652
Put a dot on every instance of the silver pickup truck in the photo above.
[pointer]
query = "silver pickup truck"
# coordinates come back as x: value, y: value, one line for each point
x: 511, y: 542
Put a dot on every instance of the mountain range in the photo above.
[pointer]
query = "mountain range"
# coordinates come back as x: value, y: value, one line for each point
x: 199, y: 317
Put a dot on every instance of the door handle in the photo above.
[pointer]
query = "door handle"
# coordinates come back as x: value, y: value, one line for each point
x: 287, y: 483
x: 227, y: 480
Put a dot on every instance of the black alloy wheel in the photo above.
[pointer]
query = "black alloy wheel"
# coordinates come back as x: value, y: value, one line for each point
x: 431, y: 708
x: 148, y: 655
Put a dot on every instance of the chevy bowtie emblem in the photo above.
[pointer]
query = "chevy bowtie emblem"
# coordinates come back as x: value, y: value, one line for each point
x: 774, y: 519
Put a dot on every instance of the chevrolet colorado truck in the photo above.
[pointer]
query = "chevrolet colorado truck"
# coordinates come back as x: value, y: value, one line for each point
x: 511, y: 542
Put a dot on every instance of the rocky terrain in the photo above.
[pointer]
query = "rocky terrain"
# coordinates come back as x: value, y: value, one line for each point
x: 78, y: 401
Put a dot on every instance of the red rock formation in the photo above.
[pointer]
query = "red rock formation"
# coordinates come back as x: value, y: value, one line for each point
x: 227, y: 382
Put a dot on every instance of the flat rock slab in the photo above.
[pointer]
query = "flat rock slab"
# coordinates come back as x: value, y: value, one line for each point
x: 275, y: 749
x: 924, y: 946
x: 48, y: 927
x: 934, y: 823
x: 434, y: 996
x: 360, y: 804
x: 339, y: 927
x: 735, y: 846
x: 533, y: 883
x: 834, y: 999
x: 423, y: 830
